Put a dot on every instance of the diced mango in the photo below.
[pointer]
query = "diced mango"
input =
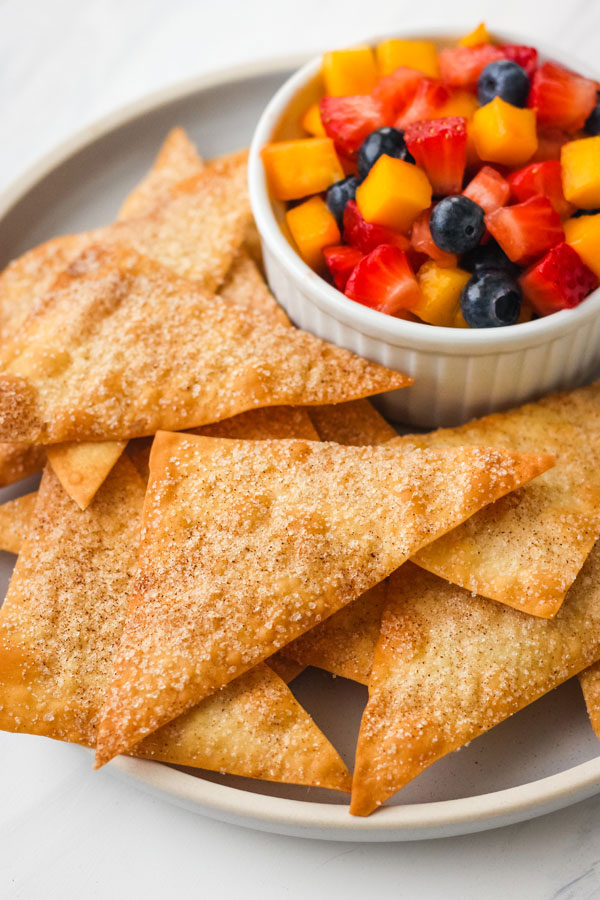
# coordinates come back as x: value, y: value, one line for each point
x: 580, y: 162
x: 311, y: 121
x: 440, y: 294
x: 349, y: 72
x: 583, y: 235
x: 504, y: 133
x: 461, y: 103
x: 421, y: 55
x: 459, y: 320
x: 393, y: 194
x: 313, y: 227
x: 295, y: 169
x: 479, y: 35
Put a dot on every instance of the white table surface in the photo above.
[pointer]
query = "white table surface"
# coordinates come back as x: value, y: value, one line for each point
x: 65, y: 831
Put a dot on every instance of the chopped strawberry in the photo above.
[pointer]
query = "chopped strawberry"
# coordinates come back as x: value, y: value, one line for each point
x: 384, y: 281
x: 341, y: 261
x: 422, y: 242
x: 439, y: 147
x: 364, y: 236
x: 462, y: 66
x: 396, y: 91
x: 348, y: 120
x: 543, y: 179
x: 526, y: 230
x: 489, y: 189
x: 562, y: 98
x: 550, y: 142
x: 427, y: 103
x: 527, y: 57
x: 561, y: 280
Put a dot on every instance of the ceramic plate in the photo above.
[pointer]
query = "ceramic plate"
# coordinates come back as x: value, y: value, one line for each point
x: 544, y: 758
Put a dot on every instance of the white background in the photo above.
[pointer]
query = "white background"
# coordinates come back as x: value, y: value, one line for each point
x: 66, y: 832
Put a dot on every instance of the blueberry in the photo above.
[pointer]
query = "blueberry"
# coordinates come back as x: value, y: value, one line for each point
x: 488, y: 256
x: 388, y: 141
x: 457, y: 224
x: 491, y: 300
x: 505, y: 79
x: 339, y: 194
x: 592, y: 123
x: 585, y: 212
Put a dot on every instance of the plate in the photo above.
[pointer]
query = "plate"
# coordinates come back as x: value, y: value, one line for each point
x: 542, y: 759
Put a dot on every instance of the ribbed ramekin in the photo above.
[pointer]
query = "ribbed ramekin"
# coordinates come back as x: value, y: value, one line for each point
x: 459, y: 373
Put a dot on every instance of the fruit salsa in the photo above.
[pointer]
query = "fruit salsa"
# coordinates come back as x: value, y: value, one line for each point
x: 458, y: 187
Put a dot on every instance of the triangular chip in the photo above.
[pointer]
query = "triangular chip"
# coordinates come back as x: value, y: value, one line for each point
x: 248, y: 544
x: 527, y: 549
x: 244, y: 286
x: 123, y: 348
x: 14, y: 522
x: 60, y: 626
x: 356, y: 424
x: 82, y: 468
x: 19, y: 461
x: 590, y: 685
x: 450, y: 665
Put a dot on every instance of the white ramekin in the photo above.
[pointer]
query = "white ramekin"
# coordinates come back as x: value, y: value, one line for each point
x: 459, y: 373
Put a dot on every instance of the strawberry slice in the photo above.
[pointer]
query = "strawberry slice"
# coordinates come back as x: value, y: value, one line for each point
x: 550, y: 142
x: 489, y: 189
x: 396, y: 91
x: 526, y: 57
x: 439, y: 147
x: 422, y: 242
x: 561, y: 280
x: 526, y: 230
x: 428, y: 102
x: 341, y: 261
x: 462, y: 66
x: 348, y: 120
x: 562, y: 98
x: 384, y: 281
x: 364, y: 236
x: 543, y: 179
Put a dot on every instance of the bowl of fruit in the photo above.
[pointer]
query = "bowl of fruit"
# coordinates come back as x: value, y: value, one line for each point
x: 432, y: 202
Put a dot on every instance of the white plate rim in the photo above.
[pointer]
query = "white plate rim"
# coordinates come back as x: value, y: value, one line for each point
x: 298, y: 817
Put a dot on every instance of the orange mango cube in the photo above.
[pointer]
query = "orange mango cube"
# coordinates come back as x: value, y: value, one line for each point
x: 479, y: 35
x: 393, y: 194
x: 441, y: 288
x: 311, y: 121
x: 313, y: 227
x: 349, y: 72
x: 295, y: 169
x: 583, y: 235
x: 421, y: 55
x: 504, y: 133
x: 580, y: 161
x: 461, y: 103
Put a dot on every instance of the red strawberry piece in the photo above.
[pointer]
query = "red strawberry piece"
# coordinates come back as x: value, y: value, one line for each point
x: 439, y: 147
x: 527, y: 57
x: 364, y: 236
x: 348, y: 120
x: 430, y: 98
x: 562, y: 98
x: 341, y: 261
x: 396, y: 91
x: 526, y: 230
x: 462, y: 66
x: 543, y: 179
x: 489, y: 189
x: 561, y: 280
x: 422, y: 242
x: 384, y: 281
x: 550, y: 142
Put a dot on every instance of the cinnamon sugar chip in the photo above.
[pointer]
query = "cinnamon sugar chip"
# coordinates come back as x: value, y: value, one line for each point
x: 82, y: 468
x: 590, y: 685
x: 356, y: 423
x: 122, y: 347
x: 244, y: 286
x: 19, y: 461
x: 60, y: 626
x: 248, y: 544
x: 527, y: 549
x: 286, y: 668
x: 14, y: 522
x: 450, y: 665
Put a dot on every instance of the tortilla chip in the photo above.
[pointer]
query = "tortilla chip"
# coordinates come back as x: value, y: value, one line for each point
x: 590, y: 685
x: 356, y: 423
x: 60, y: 626
x: 177, y: 159
x: 244, y: 286
x: 123, y: 348
x: 527, y: 549
x: 248, y: 544
x: 450, y: 665
x: 14, y: 522
x: 253, y: 245
x: 83, y: 468
x: 19, y: 461
x: 286, y: 668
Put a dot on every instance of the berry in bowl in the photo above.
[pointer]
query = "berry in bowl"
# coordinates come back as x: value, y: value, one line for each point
x: 432, y: 203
